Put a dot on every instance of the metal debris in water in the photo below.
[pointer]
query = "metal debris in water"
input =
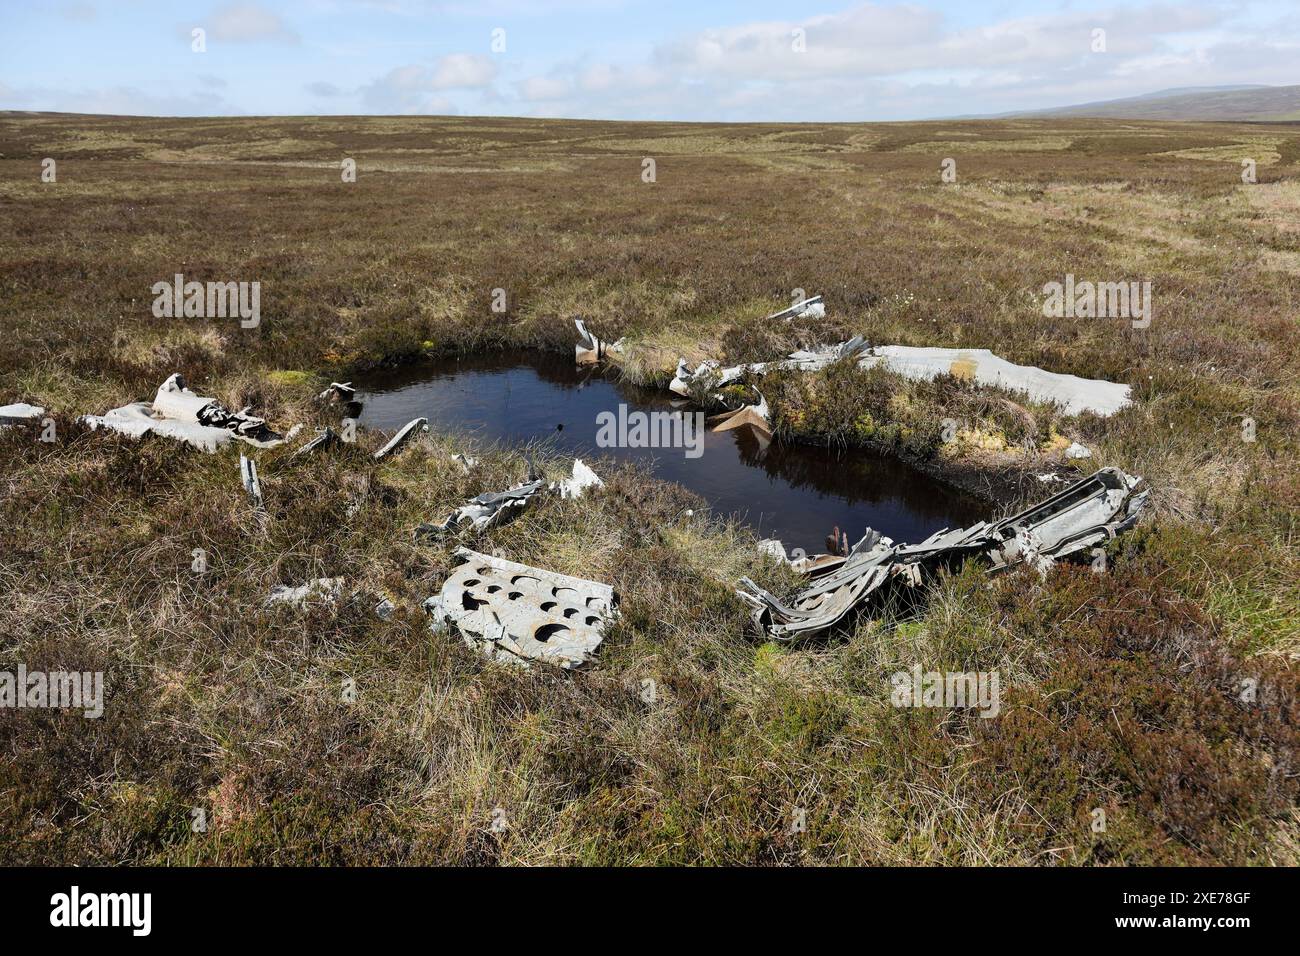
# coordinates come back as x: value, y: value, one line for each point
x: 757, y: 417
x: 709, y: 376
x: 1088, y: 513
x: 341, y: 392
x: 515, y: 613
x: 706, y: 378
x: 590, y: 349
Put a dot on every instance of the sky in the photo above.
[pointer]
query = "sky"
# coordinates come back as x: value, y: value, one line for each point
x: 759, y: 60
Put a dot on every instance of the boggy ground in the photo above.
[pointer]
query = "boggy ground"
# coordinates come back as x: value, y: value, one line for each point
x: 1128, y: 692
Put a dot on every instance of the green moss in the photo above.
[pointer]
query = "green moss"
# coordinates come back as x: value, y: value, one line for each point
x: 807, y: 720
x: 290, y: 378
x: 767, y: 655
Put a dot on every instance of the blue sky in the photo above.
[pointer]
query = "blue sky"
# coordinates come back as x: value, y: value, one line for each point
x: 629, y: 59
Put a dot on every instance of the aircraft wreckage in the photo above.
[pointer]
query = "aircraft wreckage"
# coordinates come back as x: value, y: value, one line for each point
x: 703, y: 383
x: 494, y: 508
x: 1075, y: 395
x: 516, y: 613
x: 1084, y: 515
x: 20, y: 413
x: 178, y: 413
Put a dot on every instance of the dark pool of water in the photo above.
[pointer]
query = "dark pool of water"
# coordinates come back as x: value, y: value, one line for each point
x: 793, y: 492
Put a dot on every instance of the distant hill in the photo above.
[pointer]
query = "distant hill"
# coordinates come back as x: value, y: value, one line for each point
x: 1193, y: 103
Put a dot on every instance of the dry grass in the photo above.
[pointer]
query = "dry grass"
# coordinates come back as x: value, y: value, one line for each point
x: 1120, y: 691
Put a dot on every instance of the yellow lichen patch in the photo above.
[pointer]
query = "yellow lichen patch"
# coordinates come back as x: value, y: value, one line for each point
x: 963, y: 368
x: 1056, y: 442
x: 984, y: 440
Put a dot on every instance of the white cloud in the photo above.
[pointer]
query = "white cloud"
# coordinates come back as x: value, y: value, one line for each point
x: 538, y: 88
x: 246, y: 22
x: 870, y: 38
x: 877, y: 40
x: 881, y: 61
x: 417, y: 88
x: 595, y: 80
x: 463, y: 71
